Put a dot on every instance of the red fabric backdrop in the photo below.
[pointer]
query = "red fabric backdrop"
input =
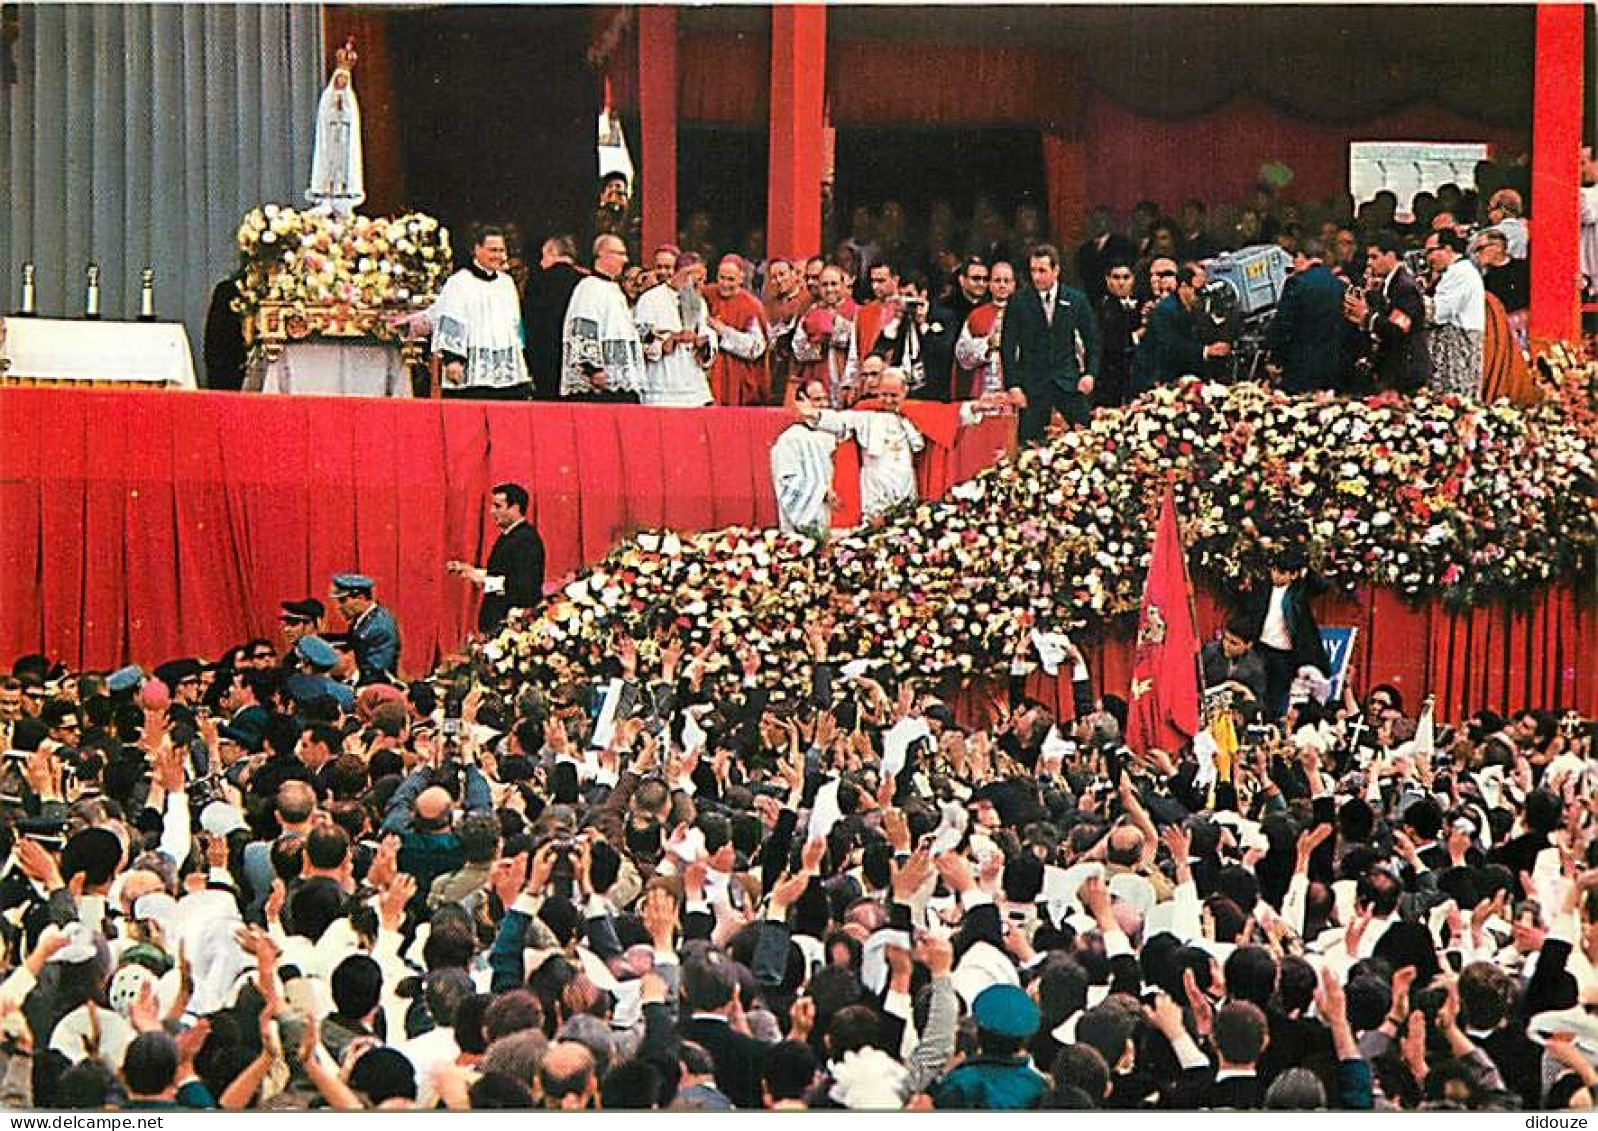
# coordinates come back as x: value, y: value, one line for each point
x: 148, y: 525
x: 1216, y: 156
x: 1482, y: 658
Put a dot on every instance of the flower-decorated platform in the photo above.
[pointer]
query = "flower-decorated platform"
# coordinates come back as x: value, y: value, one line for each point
x: 1478, y: 528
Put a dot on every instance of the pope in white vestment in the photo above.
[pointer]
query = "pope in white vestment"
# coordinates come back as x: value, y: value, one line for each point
x: 888, y: 445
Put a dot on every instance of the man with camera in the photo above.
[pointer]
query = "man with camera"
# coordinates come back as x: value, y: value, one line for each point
x: 1393, y: 313
x: 1170, y: 349
x: 918, y: 340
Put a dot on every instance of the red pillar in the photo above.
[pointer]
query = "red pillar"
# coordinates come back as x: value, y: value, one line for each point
x: 798, y: 90
x: 1555, y: 177
x: 657, y: 114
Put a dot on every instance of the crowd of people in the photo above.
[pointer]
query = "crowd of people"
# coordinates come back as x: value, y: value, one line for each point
x: 686, y: 862
x: 661, y: 878
x: 1432, y: 293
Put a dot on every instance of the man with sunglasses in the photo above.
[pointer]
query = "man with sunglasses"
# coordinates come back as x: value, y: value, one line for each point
x: 1170, y: 349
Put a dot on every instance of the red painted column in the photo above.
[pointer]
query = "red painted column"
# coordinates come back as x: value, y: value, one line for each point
x: 1555, y: 178
x: 657, y: 114
x: 798, y: 94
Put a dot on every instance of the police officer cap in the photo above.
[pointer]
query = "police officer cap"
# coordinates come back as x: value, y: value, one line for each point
x: 350, y: 583
x: 125, y: 679
x: 316, y: 652
x: 1006, y: 1011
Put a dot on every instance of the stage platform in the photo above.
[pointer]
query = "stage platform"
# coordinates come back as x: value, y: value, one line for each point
x: 142, y: 525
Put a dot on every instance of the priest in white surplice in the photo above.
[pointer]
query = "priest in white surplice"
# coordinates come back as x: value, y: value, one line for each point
x: 801, y: 468
x: 888, y: 444
x: 674, y: 329
x: 477, y: 327
x: 601, y: 356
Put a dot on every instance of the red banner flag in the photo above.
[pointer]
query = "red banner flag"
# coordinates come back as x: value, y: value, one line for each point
x: 1163, y: 707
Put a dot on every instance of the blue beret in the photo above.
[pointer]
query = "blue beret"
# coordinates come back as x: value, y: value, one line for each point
x: 352, y: 583
x: 125, y: 679
x: 1006, y: 1011
x: 316, y: 652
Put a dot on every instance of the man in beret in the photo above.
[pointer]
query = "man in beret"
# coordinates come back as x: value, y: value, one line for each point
x: 300, y: 619
x: 372, y: 628
x: 1000, y: 1077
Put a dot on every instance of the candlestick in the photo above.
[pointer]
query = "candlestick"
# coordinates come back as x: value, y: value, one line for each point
x: 29, y: 293
x: 91, y: 295
x: 147, y: 296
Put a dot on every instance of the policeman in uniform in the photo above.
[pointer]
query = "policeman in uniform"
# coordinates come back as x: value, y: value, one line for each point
x: 1001, y: 1076
x: 373, y: 632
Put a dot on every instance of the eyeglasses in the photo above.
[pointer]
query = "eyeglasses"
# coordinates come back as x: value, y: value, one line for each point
x: 1162, y: 274
x: 263, y: 656
x: 1120, y: 274
x: 977, y: 278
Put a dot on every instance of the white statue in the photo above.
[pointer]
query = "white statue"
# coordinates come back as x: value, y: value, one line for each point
x: 337, y: 183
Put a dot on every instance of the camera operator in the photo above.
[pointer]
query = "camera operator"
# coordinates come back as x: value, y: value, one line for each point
x: 1172, y: 347
x: 1308, y: 337
x: 918, y: 338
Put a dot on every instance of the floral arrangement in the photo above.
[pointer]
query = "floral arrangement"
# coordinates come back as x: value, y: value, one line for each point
x: 316, y: 259
x: 1434, y: 497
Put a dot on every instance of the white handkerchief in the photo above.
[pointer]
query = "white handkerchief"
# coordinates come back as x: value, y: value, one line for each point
x: 950, y: 829
x: 825, y: 812
x: 897, y: 741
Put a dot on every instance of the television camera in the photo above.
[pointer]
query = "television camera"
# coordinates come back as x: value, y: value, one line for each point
x: 1238, y: 301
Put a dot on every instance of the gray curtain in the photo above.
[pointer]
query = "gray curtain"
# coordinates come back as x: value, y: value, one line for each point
x: 138, y: 135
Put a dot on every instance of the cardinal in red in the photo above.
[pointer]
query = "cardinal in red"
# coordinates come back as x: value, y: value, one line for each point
x: 739, y: 375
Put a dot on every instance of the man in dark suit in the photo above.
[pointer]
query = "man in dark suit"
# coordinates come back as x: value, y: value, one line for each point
x: 1120, y: 326
x: 1103, y: 247
x: 1050, y: 349
x: 1170, y: 349
x: 1393, y: 314
x: 1283, y: 626
x: 513, y: 578
x: 544, y: 313
x: 920, y: 339
x: 1308, y: 334
x: 708, y: 985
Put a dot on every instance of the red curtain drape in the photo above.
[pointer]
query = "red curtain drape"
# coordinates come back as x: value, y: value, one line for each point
x: 1486, y: 658
x: 726, y: 77
x: 142, y: 526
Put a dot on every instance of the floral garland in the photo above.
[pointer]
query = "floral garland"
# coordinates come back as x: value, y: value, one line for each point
x: 314, y: 258
x: 1434, y: 497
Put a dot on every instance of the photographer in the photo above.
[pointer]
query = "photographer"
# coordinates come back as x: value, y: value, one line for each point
x: 1171, y: 347
x: 918, y: 338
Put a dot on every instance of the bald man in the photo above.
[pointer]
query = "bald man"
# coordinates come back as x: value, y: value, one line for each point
x: 566, y: 1078
x: 888, y: 444
x: 423, y: 814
